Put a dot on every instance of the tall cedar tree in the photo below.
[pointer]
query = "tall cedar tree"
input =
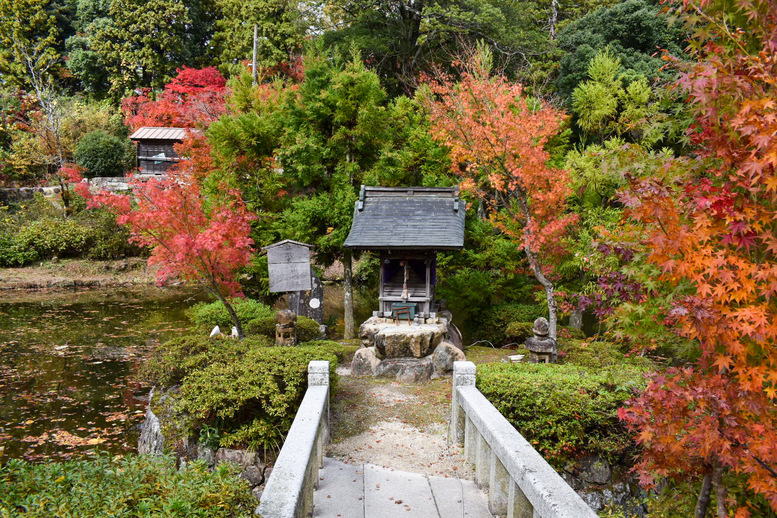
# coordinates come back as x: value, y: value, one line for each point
x: 496, y: 137
x: 713, y: 237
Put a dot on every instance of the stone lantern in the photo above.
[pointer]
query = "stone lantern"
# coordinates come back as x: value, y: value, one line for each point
x: 285, y: 327
x: 542, y: 348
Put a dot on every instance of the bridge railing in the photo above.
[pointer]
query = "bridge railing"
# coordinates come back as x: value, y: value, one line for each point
x: 521, y: 484
x: 289, y: 490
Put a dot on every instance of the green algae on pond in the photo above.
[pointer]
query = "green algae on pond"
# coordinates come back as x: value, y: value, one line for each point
x: 67, y: 364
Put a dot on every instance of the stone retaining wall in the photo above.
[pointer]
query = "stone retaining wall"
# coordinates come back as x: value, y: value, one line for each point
x: 109, y: 183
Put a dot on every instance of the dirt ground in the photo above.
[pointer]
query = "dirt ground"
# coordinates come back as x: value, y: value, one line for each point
x: 75, y: 273
x: 399, y: 425
x: 395, y: 425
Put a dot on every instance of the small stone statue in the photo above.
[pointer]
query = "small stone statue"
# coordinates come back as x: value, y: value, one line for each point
x: 285, y: 327
x: 542, y: 348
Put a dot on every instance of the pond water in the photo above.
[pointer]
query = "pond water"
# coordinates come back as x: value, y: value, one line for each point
x: 67, y: 364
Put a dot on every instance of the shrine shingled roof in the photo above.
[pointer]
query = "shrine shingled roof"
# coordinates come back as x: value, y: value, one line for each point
x: 415, y: 218
x: 148, y: 133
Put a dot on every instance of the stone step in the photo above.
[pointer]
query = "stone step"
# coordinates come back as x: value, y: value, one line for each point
x: 369, y: 491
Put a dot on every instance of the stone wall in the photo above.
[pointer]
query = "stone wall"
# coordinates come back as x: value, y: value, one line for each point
x: 109, y: 183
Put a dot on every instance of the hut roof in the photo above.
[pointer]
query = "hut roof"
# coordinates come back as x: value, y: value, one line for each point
x: 410, y: 218
x: 287, y: 242
x: 148, y: 133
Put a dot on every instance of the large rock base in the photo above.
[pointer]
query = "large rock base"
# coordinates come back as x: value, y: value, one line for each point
x: 413, y: 370
x: 410, y: 370
x: 409, y: 352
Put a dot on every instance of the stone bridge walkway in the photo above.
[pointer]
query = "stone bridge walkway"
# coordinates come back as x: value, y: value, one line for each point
x: 369, y: 491
x: 389, y: 455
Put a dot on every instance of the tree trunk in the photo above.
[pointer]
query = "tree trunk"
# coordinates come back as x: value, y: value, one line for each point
x: 534, y: 262
x: 254, y: 71
x: 720, y: 490
x: 348, y: 296
x: 704, y: 497
x: 232, y: 314
x: 553, y: 20
x: 576, y: 319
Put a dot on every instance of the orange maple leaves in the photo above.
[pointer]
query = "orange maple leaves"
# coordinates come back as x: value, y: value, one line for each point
x: 497, y: 140
x: 715, y: 230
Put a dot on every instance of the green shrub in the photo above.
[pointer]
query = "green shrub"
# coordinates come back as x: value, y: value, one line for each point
x: 564, y: 410
x: 493, y: 322
x: 344, y: 352
x: 109, y: 239
x: 51, y: 237
x: 307, y: 328
x: 174, y: 360
x: 248, y: 391
x: 122, y: 487
x: 206, y: 315
x: 598, y: 354
x: 518, y: 332
x: 252, y: 401
x: 13, y: 253
x: 102, y: 154
x: 264, y: 326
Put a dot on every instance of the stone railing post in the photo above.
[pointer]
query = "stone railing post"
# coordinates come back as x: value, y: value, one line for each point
x: 318, y: 375
x: 463, y: 376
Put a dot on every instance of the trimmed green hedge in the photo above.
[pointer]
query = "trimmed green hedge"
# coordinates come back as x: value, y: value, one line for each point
x: 344, y: 352
x: 564, y: 410
x: 598, y: 355
x: 307, y: 328
x: 174, y: 360
x: 133, y: 486
x: 206, y: 315
x: 245, y: 393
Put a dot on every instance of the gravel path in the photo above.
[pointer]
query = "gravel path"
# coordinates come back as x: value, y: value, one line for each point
x: 395, y: 425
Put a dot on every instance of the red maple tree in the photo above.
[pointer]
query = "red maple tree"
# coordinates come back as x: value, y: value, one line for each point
x: 496, y: 137
x: 194, y: 98
x: 192, y: 237
x: 713, y: 237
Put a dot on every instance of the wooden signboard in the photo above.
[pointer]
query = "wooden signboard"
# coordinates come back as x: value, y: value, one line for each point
x: 289, y: 265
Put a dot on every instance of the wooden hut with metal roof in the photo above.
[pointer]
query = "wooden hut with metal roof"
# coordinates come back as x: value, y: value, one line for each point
x: 155, y: 148
x: 407, y: 226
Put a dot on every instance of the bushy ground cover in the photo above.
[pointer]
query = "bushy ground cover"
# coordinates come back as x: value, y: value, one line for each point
x: 237, y: 393
x: 206, y: 315
x: 36, y: 230
x: 568, y: 410
x: 133, y: 486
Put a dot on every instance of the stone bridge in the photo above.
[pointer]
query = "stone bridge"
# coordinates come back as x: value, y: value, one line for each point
x: 511, y: 478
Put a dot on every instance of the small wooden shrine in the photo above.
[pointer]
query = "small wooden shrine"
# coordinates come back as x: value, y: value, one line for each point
x: 155, y: 148
x: 407, y: 226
